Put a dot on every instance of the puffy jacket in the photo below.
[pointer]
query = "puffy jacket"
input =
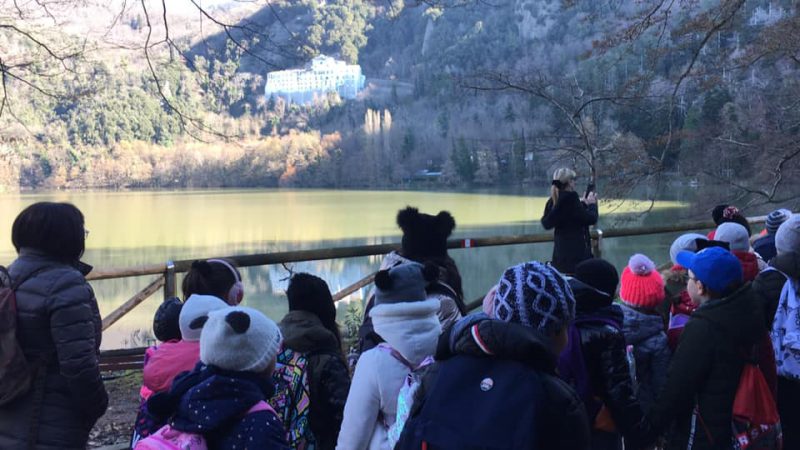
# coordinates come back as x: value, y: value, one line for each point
x: 214, y: 403
x: 167, y: 361
x: 58, y: 317
x: 603, y: 348
x: 571, y: 219
x: 768, y: 284
x: 645, y: 332
x: 705, y: 371
x: 565, y: 425
x: 751, y: 264
x: 329, y: 379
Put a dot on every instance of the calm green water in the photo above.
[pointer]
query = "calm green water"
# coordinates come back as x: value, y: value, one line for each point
x: 134, y: 228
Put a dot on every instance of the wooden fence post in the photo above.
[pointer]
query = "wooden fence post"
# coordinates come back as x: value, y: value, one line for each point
x: 169, y: 281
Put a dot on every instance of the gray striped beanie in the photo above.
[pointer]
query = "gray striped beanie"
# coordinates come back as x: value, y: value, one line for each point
x: 535, y: 295
x: 776, y: 218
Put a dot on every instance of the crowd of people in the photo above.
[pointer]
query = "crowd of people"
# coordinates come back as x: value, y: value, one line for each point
x: 569, y: 354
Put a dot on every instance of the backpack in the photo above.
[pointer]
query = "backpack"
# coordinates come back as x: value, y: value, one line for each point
x: 476, y: 402
x: 572, y: 366
x: 756, y: 424
x: 292, y: 398
x: 405, y: 398
x: 785, y: 331
x: 168, y: 438
x: 16, y: 373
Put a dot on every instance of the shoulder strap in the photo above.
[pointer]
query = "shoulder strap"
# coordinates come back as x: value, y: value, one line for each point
x: 390, y: 350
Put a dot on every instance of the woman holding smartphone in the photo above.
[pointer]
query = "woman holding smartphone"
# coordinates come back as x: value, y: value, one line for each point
x: 571, y: 217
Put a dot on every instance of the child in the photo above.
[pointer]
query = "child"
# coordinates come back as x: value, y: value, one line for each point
x: 166, y: 328
x: 494, y: 384
x: 216, y: 277
x: 641, y: 291
x: 595, y: 361
x: 310, y: 331
x: 173, y: 357
x: 738, y: 240
x: 219, y: 400
x: 410, y: 326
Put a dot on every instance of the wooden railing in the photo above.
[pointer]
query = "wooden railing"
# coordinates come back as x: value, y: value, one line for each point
x: 167, y: 272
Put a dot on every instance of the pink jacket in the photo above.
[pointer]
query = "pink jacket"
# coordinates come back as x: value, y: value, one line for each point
x: 167, y: 361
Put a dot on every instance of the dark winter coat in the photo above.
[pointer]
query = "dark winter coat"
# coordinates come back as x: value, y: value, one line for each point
x: 571, y: 219
x: 214, y: 403
x: 769, y: 284
x: 765, y: 247
x: 603, y: 348
x: 57, y: 317
x: 645, y: 332
x: 705, y: 371
x: 329, y: 377
x: 565, y: 426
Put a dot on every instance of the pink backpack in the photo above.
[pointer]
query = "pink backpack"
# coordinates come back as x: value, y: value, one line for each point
x: 167, y: 438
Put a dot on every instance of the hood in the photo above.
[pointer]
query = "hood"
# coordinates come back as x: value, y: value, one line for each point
x: 303, y: 332
x: 749, y: 264
x: 219, y: 398
x: 169, y: 359
x: 734, y: 314
x: 788, y: 263
x: 477, y: 335
x: 606, y: 313
x: 411, y: 328
x: 639, y: 327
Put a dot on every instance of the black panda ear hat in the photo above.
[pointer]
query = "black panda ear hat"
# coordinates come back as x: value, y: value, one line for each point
x: 424, y: 235
x: 239, y: 339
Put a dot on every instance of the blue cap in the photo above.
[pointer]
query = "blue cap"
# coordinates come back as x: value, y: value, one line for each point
x: 715, y: 267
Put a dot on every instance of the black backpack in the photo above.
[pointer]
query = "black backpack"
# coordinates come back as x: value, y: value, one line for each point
x: 472, y: 402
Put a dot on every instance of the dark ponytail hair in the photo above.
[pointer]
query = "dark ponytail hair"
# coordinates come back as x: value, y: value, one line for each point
x: 208, y: 278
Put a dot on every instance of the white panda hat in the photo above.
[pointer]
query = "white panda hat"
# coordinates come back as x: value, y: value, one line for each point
x: 239, y: 339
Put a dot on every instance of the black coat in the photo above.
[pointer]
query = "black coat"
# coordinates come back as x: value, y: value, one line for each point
x: 705, y: 371
x: 603, y: 348
x: 566, y: 424
x: 769, y: 284
x: 571, y: 219
x: 329, y: 380
x: 58, y: 316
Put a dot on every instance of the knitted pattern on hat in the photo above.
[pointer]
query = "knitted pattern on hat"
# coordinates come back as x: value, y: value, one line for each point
x: 240, y: 339
x: 687, y: 242
x: 787, y: 238
x: 535, y: 295
x: 776, y: 218
x: 641, y: 285
x: 194, y: 314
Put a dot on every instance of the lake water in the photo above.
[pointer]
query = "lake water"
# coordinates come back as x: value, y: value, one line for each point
x: 135, y: 228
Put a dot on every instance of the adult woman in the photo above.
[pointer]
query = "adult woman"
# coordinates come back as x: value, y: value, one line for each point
x: 571, y: 217
x: 59, y: 331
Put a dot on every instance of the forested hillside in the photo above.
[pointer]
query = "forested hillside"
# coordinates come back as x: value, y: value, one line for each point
x: 487, y: 93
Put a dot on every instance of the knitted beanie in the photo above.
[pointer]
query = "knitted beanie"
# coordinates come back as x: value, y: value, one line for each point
x: 194, y: 314
x: 535, y: 295
x: 735, y: 235
x: 404, y: 283
x: 602, y: 277
x: 776, y: 218
x: 787, y: 238
x: 166, y: 325
x: 684, y: 242
x: 641, y: 285
x: 240, y: 339
x: 424, y: 235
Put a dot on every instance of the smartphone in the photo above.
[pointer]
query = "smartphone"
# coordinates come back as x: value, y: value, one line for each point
x: 589, y: 189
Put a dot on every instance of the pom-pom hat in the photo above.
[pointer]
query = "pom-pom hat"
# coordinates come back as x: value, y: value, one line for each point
x: 641, y: 285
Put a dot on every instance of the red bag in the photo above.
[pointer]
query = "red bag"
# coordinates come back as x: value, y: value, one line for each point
x: 756, y: 423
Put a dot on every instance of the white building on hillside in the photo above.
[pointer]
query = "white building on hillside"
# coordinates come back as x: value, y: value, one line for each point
x: 322, y: 75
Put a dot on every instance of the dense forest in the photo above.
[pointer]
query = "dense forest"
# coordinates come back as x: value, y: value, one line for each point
x: 466, y: 93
